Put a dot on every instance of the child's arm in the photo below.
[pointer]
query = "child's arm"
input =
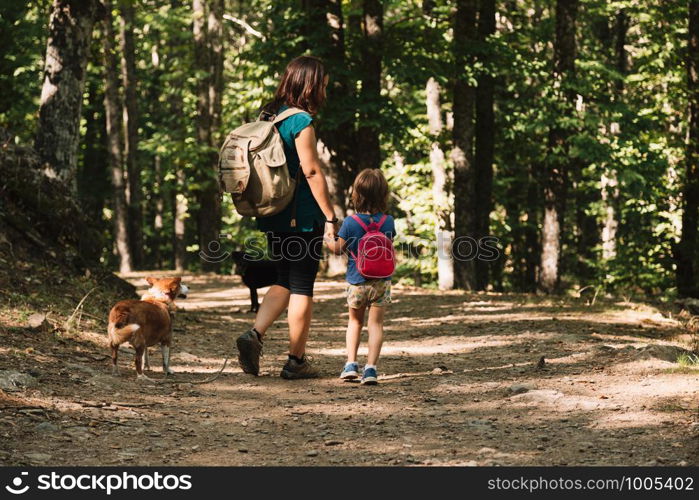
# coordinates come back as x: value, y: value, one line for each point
x: 336, y: 246
x: 339, y: 244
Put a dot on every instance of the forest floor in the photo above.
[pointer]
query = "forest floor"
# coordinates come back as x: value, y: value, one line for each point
x: 459, y: 385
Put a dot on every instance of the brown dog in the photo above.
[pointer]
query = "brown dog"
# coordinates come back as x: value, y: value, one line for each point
x: 146, y: 322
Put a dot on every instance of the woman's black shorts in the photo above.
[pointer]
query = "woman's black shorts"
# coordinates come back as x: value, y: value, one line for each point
x: 297, y: 257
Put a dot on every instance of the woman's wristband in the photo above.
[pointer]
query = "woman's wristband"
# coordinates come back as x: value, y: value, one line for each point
x: 334, y: 220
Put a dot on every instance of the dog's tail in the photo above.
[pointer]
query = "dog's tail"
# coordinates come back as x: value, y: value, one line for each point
x: 120, y: 333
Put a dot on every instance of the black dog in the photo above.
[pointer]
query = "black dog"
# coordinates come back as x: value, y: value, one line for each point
x: 255, y: 273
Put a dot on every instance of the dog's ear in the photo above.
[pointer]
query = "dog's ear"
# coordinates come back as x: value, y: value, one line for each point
x: 175, y: 283
x: 150, y: 280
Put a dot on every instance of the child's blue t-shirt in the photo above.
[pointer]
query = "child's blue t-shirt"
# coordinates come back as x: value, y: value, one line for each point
x: 352, y: 232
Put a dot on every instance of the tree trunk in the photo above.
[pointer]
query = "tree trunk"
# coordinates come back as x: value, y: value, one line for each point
x: 531, y: 233
x: 206, y: 27
x: 440, y: 192
x: 462, y: 152
x: 557, y: 162
x: 67, y: 50
x: 686, y: 252
x: 610, y: 193
x: 179, y: 204
x: 533, y: 202
x: 369, y: 146
x: 94, y: 185
x: 159, y: 198
x: 412, y: 249
x: 325, y: 36
x: 215, y: 39
x: 134, y: 196
x: 114, y: 128
x: 178, y: 190
x: 609, y: 182
x: 484, y: 138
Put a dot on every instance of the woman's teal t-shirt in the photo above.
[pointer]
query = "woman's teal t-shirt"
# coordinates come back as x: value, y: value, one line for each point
x: 308, y: 213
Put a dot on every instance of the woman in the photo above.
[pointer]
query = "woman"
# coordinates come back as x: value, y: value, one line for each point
x: 296, y: 250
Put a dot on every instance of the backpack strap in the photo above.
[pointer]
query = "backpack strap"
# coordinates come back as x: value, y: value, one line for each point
x: 286, y: 114
x: 360, y: 222
x: 377, y: 225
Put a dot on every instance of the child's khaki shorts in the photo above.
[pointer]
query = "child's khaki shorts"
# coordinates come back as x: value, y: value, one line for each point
x: 369, y: 293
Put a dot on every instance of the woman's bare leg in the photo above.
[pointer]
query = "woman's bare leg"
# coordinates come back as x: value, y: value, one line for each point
x: 273, y: 305
x: 299, y: 317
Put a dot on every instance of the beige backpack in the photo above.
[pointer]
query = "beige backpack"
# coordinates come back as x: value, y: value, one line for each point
x: 252, y: 167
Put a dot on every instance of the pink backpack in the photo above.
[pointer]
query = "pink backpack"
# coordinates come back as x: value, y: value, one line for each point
x: 375, y: 256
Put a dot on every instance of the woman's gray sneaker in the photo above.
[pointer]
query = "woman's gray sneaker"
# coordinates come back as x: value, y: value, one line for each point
x: 294, y: 370
x: 249, y: 351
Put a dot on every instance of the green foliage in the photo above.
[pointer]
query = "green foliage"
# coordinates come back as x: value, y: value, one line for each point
x: 22, y: 44
x: 629, y: 126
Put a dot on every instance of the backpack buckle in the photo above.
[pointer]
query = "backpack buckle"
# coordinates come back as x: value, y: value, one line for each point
x: 266, y: 116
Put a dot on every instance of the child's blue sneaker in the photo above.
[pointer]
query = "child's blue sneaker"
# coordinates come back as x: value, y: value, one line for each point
x: 369, y: 377
x: 350, y: 371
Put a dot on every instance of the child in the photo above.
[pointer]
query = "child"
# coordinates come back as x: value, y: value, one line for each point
x: 370, y: 197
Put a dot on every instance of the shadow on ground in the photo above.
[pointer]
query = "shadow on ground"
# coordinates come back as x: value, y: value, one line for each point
x: 459, y: 386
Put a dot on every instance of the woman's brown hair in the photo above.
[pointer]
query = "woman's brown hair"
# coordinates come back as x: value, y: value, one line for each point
x: 370, y: 191
x: 302, y: 86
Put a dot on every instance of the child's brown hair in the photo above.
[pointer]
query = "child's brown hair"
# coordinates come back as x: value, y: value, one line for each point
x: 370, y: 191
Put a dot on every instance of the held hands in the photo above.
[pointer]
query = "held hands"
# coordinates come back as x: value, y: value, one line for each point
x: 330, y: 232
x: 335, y: 245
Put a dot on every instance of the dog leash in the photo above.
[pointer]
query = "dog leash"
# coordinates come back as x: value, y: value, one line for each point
x: 195, y: 382
x: 213, y: 377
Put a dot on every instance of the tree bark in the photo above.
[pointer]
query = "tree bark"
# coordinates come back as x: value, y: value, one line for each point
x: 325, y: 36
x: 557, y: 161
x: 215, y: 39
x: 179, y: 204
x: 484, y: 137
x: 531, y: 233
x: 462, y: 151
x: 114, y: 129
x: 609, y: 181
x: 324, y: 33
x: 686, y: 252
x: 440, y: 191
x: 67, y: 51
x: 206, y: 28
x: 130, y: 122
x: 369, y: 145
x: 533, y: 202
x: 159, y: 199
x: 523, y: 199
x: 177, y: 192
x: 94, y: 184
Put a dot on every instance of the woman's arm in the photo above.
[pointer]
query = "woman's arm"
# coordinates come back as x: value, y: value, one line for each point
x: 310, y: 164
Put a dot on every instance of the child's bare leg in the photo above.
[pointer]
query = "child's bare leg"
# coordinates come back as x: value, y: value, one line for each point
x: 375, y: 327
x: 354, y: 332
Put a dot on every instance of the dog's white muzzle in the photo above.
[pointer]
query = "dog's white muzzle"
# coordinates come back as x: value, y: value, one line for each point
x: 157, y: 293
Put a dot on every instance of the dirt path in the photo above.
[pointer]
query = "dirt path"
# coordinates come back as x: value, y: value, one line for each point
x: 459, y: 386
